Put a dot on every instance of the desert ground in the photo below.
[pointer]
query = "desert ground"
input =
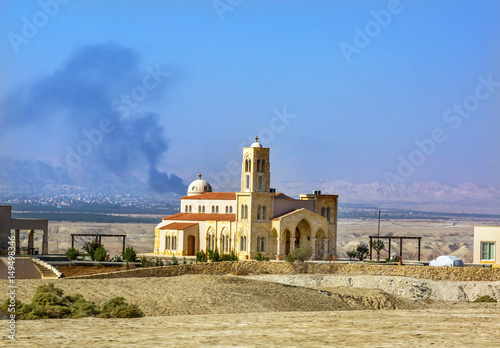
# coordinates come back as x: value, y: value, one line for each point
x: 439, y: 237
x: 289, y: 310
x: 201, y: 310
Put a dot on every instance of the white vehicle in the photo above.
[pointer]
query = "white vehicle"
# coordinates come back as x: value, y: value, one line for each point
x: 447, y: 261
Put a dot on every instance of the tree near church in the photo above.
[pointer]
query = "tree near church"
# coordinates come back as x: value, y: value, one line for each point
x: 378, y: 245
x: 362, y: 251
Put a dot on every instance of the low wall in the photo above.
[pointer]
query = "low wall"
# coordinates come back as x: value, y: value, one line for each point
x: 255, y: 267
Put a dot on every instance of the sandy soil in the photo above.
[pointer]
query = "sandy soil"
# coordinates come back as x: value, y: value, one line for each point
x: 201, y: 310
x: 437, y: 328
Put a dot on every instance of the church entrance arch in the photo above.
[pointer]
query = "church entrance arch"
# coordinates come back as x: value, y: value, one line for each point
x: 302, y: 233
x: 297, y: 238
x: 191, y: 242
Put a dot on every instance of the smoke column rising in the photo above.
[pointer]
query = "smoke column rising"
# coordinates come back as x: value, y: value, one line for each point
x: 53, y: 113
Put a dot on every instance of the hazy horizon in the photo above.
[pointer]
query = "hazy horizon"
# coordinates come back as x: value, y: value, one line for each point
x: 391, y: 92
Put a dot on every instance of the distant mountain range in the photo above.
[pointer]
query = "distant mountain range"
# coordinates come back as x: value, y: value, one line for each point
x: 430, y: 196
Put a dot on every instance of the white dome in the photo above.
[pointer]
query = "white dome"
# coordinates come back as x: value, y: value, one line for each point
x: 198, y: 187
x: 256, y: 144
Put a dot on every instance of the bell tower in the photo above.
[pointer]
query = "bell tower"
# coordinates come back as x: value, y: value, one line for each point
x: 255, y: 168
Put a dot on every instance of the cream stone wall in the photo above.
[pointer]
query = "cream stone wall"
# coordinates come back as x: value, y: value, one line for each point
x: 486, y: 234
x: 207, y: 203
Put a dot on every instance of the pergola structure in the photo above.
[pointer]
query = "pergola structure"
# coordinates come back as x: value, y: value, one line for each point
x: 400, y: 244
x: 97, y: 237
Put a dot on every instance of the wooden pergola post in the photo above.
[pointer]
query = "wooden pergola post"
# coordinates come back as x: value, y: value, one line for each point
x: 371, y: 248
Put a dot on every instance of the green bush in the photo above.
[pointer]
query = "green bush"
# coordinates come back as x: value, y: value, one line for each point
x: 146, y: 263
x: 175, y: 261
x: 260, y: 257
x: 300, y: 254
x: 352, y: 254
x: 72, y: 254
x: 48, y: 302
x: 378, y: 245
x: 485, y: 298
x: 100, y: 254
x: 361, y: 251
x: 129, y: 254
x: 213, y: 255
x: 81, y: 308
x: 91, y: 247
x: 118, y: 308
x: 201, y: 256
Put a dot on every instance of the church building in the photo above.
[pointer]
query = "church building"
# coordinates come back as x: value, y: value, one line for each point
x: 256, y: 219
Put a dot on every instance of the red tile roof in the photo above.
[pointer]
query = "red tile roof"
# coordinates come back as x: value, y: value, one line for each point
x: 213, y: 195
x: 201, y: 217
x: 178, y: 225
x: 277, y: 217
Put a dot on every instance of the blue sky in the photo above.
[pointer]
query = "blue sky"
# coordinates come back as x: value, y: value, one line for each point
x: 357, y: 117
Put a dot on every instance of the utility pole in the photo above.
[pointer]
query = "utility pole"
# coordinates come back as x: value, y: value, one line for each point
x: 378, y: 232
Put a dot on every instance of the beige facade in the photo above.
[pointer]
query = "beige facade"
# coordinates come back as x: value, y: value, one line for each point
x: 487, y: 245
x: 256, y: 219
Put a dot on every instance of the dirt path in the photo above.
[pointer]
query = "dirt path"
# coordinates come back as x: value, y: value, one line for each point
x: 438, y: 328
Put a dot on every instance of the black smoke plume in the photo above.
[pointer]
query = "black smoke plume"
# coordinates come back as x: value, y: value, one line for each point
x: 65, y: 110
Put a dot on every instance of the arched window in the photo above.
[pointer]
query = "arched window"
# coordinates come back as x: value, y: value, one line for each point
x: 247, y: 165
x: 194, y: 188
x: 261, y: 244
x: 199, y: 209
x: 323, y: 211
x: 258, y: 165
x: 174, y: 243
x: 227, y: 209
x: 328, y: 213
x: 264, y: 212
x: 186, y: 209
x: 243, y: 243
x: 213, y: 242
x: 262, y: 166
x: 213, y: 209
x: 246, y: 211
x: 203, y: 209
x: 247, y: 181
x: 259, y: 212
x: 230, y: 210
x: 261, y: 182
x: 167, y: 242
x: 217, y: 209
x: 242, y: 212
x: 205, y: 188
x: 190, y: 208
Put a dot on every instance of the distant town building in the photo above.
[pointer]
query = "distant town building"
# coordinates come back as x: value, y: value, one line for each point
x: 8, y: 224
x: 487, y: 245
x: 256, y: 219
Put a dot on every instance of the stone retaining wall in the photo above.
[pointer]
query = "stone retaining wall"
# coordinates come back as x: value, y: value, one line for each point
x: 255, y: 267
